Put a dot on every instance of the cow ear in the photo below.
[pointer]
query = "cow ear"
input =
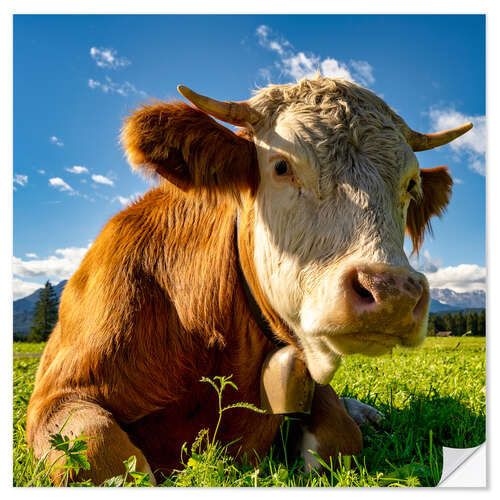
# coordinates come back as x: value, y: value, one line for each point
x: 188, y: 148
x: 436, y: 192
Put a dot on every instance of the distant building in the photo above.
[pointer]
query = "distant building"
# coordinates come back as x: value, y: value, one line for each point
x: 443, y: 334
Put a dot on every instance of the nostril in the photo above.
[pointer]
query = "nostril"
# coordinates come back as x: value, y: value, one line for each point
x: 421, y: 307
x: 414, y: 287
x: 361, y: 291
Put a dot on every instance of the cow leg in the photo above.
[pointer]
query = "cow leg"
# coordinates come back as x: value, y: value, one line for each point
x: 108, y: 444
x: 361, y: 412
x: 328, y: 430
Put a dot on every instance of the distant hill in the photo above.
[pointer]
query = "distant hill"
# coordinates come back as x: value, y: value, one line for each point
x: 24, y: 309
x: 466, y: 310
x: 437, y: 306
x: 442, y: 300
x: 456, y: 300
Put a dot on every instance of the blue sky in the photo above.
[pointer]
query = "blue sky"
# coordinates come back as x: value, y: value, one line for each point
x: 76, y: 77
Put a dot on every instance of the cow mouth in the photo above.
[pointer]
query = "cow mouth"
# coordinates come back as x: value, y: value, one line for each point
x: 323, y: 351
x: 370, y: 344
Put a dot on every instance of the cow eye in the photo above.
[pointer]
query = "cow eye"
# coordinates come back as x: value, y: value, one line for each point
x: 411, y: 185
x: 281, y: 167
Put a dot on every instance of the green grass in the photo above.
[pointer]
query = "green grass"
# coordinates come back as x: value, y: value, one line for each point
x: 432, y: 396
x: 28, y: 347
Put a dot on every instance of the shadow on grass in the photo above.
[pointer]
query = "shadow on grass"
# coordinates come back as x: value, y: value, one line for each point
x: 407, y: 447
x: 410, y: 440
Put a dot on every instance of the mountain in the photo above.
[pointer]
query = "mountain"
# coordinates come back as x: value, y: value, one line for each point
x: 24, y: 309
x: 439, y: 306
x: 442, y: 299
x: 464, y: 300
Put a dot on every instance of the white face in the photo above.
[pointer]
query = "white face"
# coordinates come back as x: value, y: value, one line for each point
x: 328, y: 244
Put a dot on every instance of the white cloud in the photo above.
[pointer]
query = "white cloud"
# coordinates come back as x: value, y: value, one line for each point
x: 22, y: 180
x: 363, y: 71
x: 41, y: 171
x: 55, y: 140
x: 298, y: 64
x: 77, y: 170
x: 126, y: 200
x: 108, y: 86
x: 56, y: 267
x: 93, y: 84
x: 472, y: 145
x: 59, y: 184
x: 101, y: 179
x: 301, y: 66
x: 32, y: 255
x: 424, y: 263
x: 265, y: 74
x: 276, y: 44
x: 334, y: 69
x: 461, y: 278
x: 107, y: 58
x: 22, y: 288
x: 457, y: 180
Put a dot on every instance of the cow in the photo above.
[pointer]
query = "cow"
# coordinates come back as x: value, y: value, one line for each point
x: 294, y: 223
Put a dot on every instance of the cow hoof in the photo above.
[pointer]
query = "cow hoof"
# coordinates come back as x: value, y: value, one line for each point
x: 362, y: 413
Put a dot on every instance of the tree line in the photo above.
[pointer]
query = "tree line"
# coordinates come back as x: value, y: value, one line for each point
x: 45, y: 318
x: 458, y: 323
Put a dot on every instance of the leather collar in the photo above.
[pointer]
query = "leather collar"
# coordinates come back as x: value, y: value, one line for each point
x: 255, y: 310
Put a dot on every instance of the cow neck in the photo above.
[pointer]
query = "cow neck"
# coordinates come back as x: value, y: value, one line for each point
x: 267, y: 319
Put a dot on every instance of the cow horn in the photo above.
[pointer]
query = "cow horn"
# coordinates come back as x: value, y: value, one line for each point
x: 423, y: 142
x: 237, y: 113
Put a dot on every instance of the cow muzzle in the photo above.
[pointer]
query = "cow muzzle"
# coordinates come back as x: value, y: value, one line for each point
x: 382, y: 306
x: 362, y: 308
x: 376, y: 290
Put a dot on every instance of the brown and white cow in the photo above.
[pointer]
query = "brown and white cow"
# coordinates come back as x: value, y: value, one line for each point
x: 307, y: 206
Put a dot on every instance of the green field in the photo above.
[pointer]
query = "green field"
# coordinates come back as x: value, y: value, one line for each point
x: 431, y: 397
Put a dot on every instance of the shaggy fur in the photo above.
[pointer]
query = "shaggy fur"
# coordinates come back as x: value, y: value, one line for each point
x: 189, y: 149
x: 436, y: 188
x: 342, y: 207
x: 158, y: 302
x: 344, y: 127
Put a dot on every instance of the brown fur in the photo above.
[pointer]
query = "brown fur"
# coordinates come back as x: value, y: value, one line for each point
x: 328, y: 415
x: 156, y: 304
x: 189, y: 148
x: 436, y: 188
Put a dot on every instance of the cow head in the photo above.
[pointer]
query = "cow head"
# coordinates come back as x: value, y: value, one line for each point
x: 327, y: 183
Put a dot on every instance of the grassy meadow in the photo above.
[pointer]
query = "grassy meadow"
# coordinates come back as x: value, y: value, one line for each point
x: 431, y: 397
